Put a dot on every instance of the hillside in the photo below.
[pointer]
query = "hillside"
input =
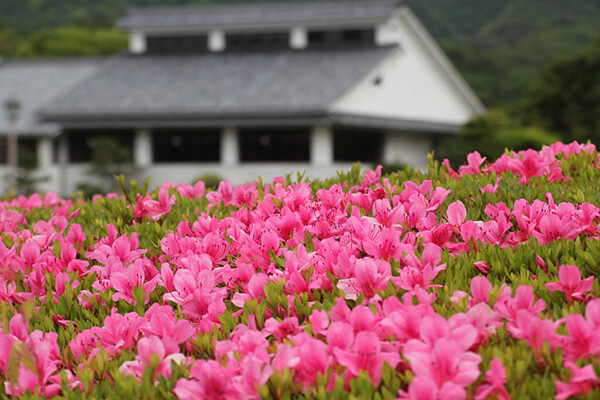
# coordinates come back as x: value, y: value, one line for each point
x: 499, y: 45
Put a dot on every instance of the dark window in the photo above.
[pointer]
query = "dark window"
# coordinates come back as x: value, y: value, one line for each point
x: 27, y: 149
x: 274, y: 145
x: 357, y: 145
x: 177, y: 44
x: 179, y: 145
x: 346, y: 38
x: 81, y: 143
x: 266, y: 41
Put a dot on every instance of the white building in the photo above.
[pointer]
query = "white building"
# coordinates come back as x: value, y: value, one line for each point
x: 248, y: 90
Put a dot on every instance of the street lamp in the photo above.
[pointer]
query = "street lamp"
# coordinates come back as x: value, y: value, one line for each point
x: 12, y: 107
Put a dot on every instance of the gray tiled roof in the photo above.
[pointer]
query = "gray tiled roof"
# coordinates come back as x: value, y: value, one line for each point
x: 217, y: 84
x: 251, y: 14
x: 35, y: 84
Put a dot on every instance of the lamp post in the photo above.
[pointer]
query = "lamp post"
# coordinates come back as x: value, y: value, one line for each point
x: 12, y: 107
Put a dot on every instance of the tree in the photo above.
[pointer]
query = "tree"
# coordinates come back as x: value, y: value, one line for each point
x: 566, y: 99
x: 73, y: 41
x: 9, y: 42
x: 491, y: 134
x: 109, y: 158
x: 28, y: 174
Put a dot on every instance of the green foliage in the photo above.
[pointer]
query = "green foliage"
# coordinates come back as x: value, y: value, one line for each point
x: 210, y: 180
x: 28, y: 175
x: 391, y: 168
x: 531, y: 373
x: 491, y: 135
x: 109, y: 158
x: 566, y: 98
x: 73, y: 41
x: 501, y: 45
x: 9, y: 42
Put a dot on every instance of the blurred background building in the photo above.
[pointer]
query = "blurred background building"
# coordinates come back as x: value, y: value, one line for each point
x: 242, y: 90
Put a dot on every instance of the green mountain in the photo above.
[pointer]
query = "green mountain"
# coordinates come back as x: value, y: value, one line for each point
x: 499, y: 45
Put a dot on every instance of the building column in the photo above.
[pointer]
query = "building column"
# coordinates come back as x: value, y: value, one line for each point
x: 63, y: 163
x: 216, y: 40
x: 390, y: 147
x: 321, y: 145
x: 44, y: 153
x: 298, y: 38
x: 137, y: 43
x: 230, y: 147
x: 143, y: 148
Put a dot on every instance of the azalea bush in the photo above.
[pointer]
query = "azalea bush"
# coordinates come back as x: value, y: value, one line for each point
x: 473, y: 283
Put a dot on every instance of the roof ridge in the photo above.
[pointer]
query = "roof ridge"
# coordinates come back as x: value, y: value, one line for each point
x: 262, y: 14
x: 228, y: 7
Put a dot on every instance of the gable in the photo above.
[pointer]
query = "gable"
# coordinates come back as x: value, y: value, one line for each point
x: 416, y: 83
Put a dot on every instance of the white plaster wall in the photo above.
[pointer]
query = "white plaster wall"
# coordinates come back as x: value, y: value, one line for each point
x: 388, y: 32
x: 49, y: 173
x: 413, y: 85
x: 407, y: 148
x: 242, y: 173
x: 187, y: 173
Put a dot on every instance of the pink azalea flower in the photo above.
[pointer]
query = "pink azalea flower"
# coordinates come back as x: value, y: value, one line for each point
x: 424, y: 388
x: 319, y: 321
x: 283, y: 329
x: 163, y: 324
x: 583, y: 340
x: 315, y: 359
x: 85, y: 343
x: 571, y: 283
x: 339, y: 335
x: 457, y: 213
x: 44, y: 380
x: 366, y: 355
x: 385, y: 214
x: 582, y: 381
x: 133, y: 276
x: 474, y: 162
x: 370, y: 277
x: 119, y: 331
x: 482, y: 267
x: 209, y: 380
x: 451, y: 172
x: 192, y: 192
x: 480, y: 289
x: 6, y: 343
x: 534, y: 330
x: 286, y: 357
x: 254, y: 374
x: 371, y: 177
x: 553, y: 227
x: 151, y: 353
x: 524, y: 299
x: 443, y: 363
x: 493, y: 385
x: 491, y: 189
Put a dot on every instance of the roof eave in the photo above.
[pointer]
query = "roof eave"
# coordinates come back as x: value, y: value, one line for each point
x: 248, y: 27
x: 245, y: 119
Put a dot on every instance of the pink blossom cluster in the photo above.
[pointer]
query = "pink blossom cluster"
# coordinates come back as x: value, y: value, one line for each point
x: 358, y: 243
x: 526, y: 164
